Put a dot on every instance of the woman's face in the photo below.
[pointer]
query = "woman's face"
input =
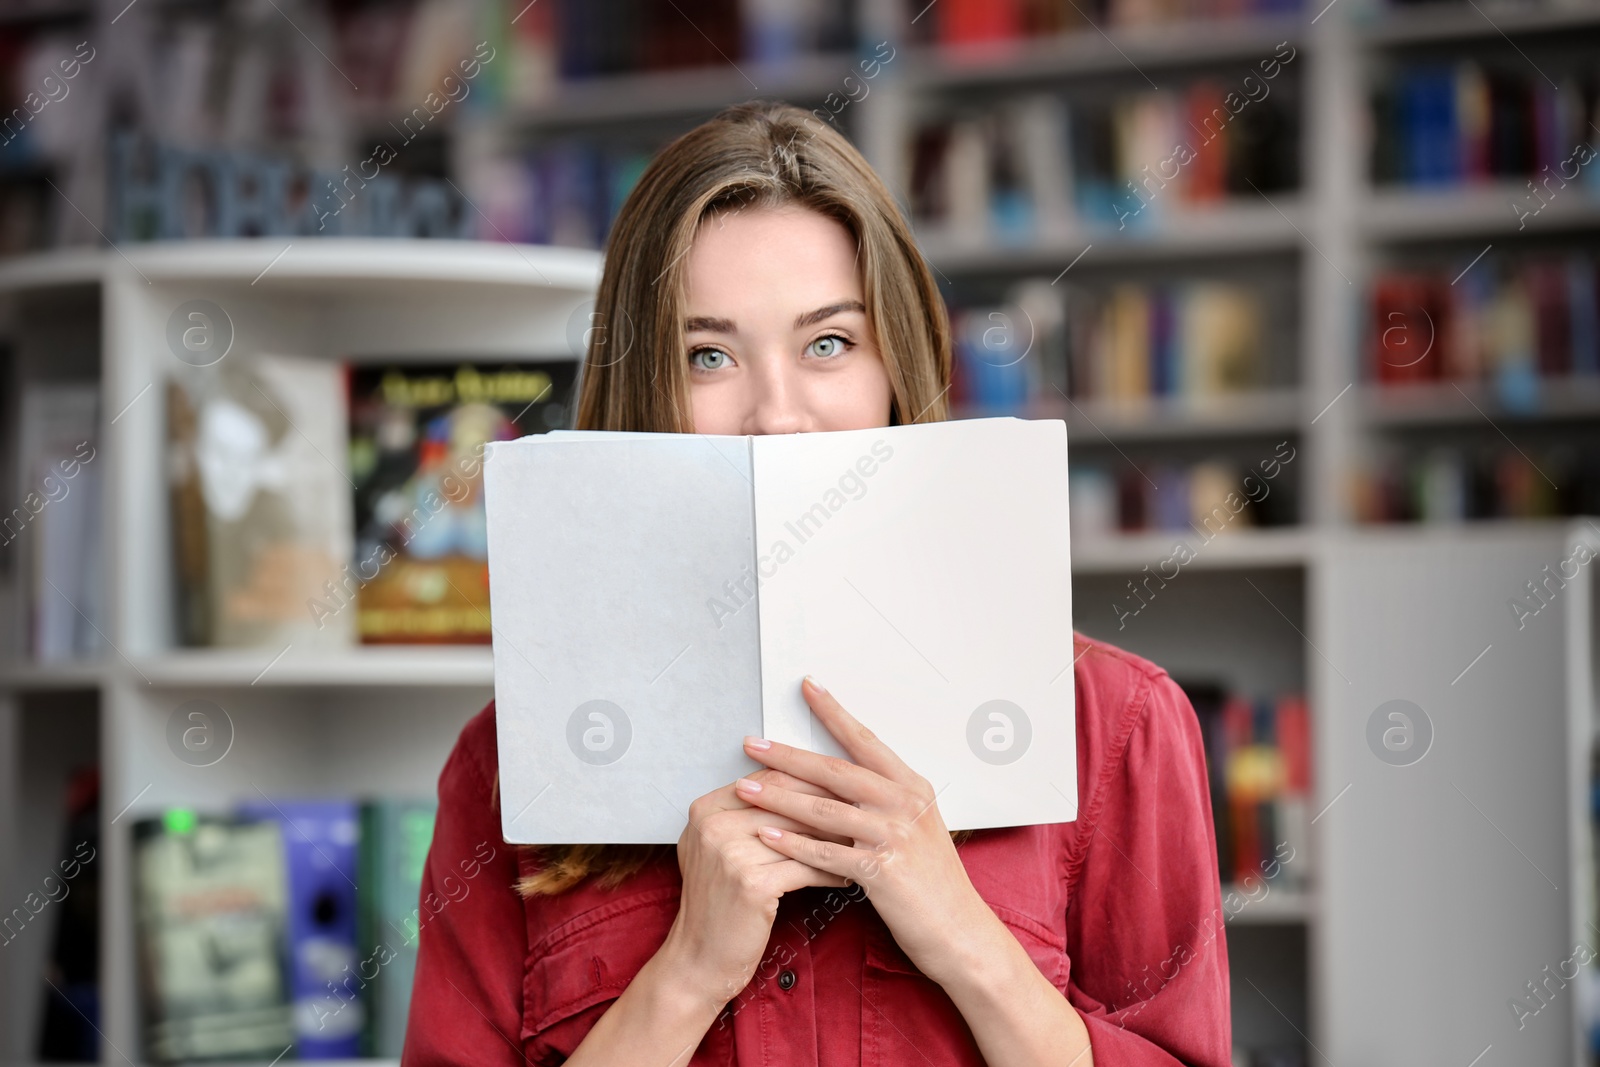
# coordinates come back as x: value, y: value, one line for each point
x: 777, y: 330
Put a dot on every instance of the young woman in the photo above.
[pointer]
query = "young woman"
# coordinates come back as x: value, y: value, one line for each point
x: 760, y: 279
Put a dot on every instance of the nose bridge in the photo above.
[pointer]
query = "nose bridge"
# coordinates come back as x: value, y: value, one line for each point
x: 777, y: 401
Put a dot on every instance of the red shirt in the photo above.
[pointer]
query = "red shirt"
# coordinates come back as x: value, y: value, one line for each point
x: 1121, y: 910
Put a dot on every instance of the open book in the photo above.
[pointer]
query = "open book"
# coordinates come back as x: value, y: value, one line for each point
x: 656, y: 597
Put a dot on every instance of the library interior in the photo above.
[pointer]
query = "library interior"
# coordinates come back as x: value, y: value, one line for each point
x: 1313, y: 285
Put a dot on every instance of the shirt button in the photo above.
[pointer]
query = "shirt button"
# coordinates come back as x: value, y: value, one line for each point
x: 786, y: 980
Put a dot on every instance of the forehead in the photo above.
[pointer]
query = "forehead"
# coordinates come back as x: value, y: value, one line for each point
x: 780, y: 259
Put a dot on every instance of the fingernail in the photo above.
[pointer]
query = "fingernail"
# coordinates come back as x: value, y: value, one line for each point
x: 760, y: 743
x: 815, y: 684
x: 771, y: 833
x: 749, y: 785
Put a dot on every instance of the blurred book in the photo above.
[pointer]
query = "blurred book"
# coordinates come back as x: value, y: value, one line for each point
x: 395, y: 835
x: 1036, y: 167
x: 1509, y: 322
x: 327, y: 986
x: 1462, y: 482
x: 995, y: 22
x: 1012, y: 354
x: 210, y: 904
x: 1093, y: 498
x: 372, y: 45
x: 70, y: 1028
x: 1200, y: 497
x: 259, y: 498
x: 297, y: 918
x: 39, y: 71
x: 566, y: 192
x: 775, y: 32
x: 417, y: 431
x: 1439, y: 125
x: 58, y: 521
x: 600, y: 37
x: 532, y: 58
x: 1125, y: 345
x: 1258, y: 764
x: 439, y: 35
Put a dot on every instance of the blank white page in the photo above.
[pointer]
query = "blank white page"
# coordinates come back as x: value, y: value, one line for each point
x: 922, y: 574
x: 621, y: 695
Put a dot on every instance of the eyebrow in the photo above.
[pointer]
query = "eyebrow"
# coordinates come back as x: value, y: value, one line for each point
x: 716, y: 325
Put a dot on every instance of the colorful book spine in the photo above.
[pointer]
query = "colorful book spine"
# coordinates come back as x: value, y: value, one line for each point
x: 1508, y: 322
x: 1258, y: 758
x: 1124, y: 345
x: 1439, y: 125
x: 326, y: 988
x: 991, y: 370
x: 322, y: 898
x: 1485, y: 480
x: 992, y: 22
x: 1124, y: 164
x: 203, y: 884
x: 977, y: 21
x: 1196, y: 500
x: 395, y: 836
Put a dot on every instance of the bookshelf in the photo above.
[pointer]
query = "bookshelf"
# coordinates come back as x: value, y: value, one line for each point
x: 1258, y: 412
x: 1558, y: 399
x: 376, y: 720
x: 1177, y: 44
x: 632, y: 97
x: 1392, y: 216
x: 1316, y: 583
x: 1126, y: 554
x: 1228, y: 230
x: 1441, y: 22
x: 443, y: 665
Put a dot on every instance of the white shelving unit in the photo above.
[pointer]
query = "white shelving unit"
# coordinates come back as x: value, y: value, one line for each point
x: 373, y: 721
x: 1473, y: 866
x: 1226, y: 230
x: 1439, y: 403
x: 1259, y: 607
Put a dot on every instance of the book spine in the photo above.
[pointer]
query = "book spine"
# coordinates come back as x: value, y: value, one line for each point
x: 1585, y: 330
x: 1442, y: 126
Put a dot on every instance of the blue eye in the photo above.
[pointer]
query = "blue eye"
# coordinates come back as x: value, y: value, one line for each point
x: 828, y: 345
x: 708, y: 359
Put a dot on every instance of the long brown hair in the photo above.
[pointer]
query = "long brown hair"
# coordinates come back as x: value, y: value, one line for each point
x: 754, y: 155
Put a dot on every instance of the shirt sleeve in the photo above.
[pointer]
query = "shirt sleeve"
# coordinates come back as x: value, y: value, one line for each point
x: 1150, y: 962
x: 466, y: 1000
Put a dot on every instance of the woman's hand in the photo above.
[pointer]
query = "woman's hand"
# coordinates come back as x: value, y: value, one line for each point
x: 731, y: 884
x: 894, y: 841
x: 901, y: 852
x: 808, y: 819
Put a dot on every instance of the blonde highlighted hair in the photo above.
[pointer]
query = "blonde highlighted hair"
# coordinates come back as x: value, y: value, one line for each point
x: 634, y: 377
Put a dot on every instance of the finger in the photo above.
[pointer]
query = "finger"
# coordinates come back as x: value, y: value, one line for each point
x: 740, y: 849
x: 862, y: 745
x: 734, y: 823
x: 845, y: 780
x: 842, y: 860
x: 727, y: 798
x: 789, y: 875
x: 771, y: 776
x: 832, y: 817
x: 751, y: 820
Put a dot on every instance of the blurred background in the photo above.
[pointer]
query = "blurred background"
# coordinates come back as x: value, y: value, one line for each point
x: 1313, y: 285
